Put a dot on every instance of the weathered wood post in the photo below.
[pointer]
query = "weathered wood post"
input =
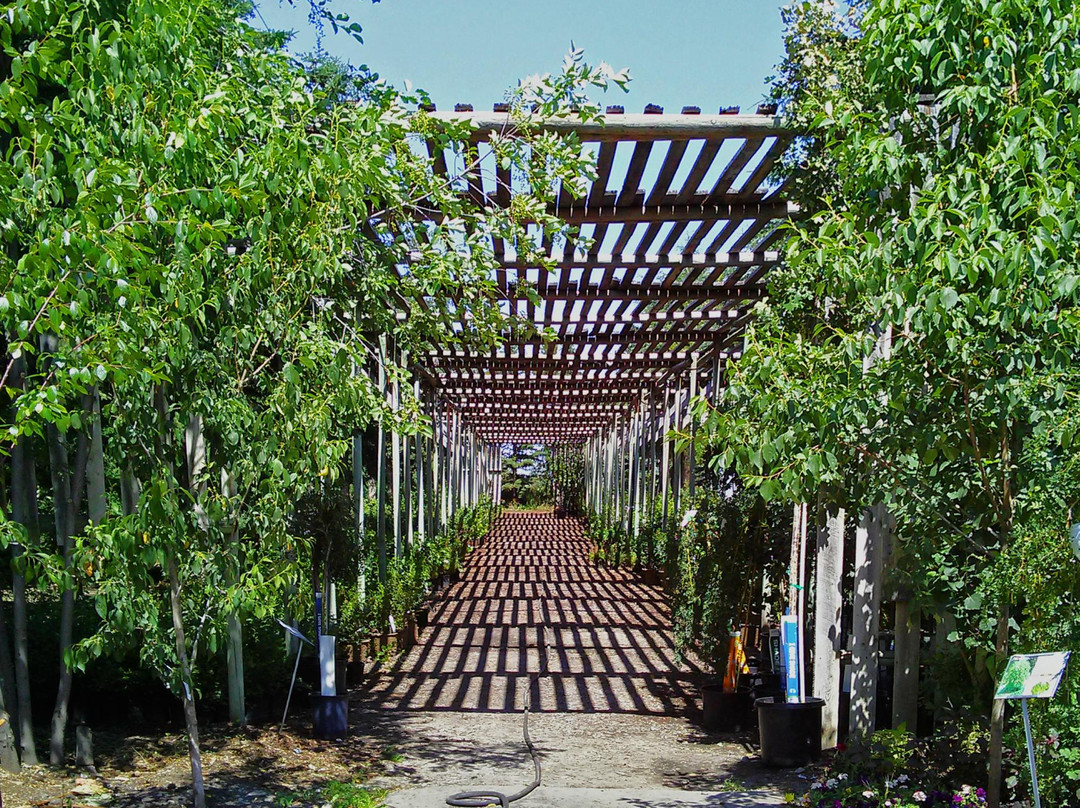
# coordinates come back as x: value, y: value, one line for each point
x: 869, y: 538
x: 828, y: 608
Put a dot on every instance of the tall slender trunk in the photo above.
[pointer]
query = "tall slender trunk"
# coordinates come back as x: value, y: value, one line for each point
x: 9, y: 753
x: 61, y: 483
x: 129, y: 491
x: 95, y: 465
x: 24, y: 510
x: 164, y: 448
x: 234, y: 645
x: 20, y: 647
x: 997, y: 717
x: 1001, y: 644
x: 188, y: 696
x: 7, y: 666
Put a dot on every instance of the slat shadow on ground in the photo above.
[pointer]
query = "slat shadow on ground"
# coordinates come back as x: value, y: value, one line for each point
x: 530, y: 602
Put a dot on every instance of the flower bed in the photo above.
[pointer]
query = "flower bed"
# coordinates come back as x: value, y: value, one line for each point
x: 844, y: 791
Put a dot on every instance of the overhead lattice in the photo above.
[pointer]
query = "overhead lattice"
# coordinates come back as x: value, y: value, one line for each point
x: 682, y: 223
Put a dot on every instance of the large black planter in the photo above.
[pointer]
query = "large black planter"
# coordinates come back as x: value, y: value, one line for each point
x: 790, y: 732
x: 330, y: 716
x: 724, y: 711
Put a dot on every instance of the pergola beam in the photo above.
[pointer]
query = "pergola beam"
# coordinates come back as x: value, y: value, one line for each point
x: 628, y: 126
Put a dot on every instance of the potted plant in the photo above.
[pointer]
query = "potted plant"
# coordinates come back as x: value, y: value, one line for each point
x: 727, y: 540
x: 789, y: 731
x: 421, y: 616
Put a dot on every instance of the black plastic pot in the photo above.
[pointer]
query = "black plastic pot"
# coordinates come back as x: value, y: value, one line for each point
x: 724, y: 711
x: 329, y: 716
x: 790, y: 732
x: 421, y: 617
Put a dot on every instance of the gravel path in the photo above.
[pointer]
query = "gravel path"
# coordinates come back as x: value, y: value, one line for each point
x: 613, y: 707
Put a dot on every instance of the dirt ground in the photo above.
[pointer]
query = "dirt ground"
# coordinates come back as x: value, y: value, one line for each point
x: 392, y: 749
x: 242, y: 767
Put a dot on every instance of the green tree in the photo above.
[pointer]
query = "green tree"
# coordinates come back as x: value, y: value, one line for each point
x: 195, y: 233
x: 526, y: 475
x: 920, y: 345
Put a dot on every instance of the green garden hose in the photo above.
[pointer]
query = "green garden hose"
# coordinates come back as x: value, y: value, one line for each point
x: 482, y: 798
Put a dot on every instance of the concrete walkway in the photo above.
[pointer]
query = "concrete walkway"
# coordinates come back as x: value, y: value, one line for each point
x: 614, y: 713
x: 435, y: 796
x: 530, y: 602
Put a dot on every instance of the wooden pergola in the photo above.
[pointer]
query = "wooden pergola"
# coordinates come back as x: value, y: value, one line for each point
x: 682, y: 224
x: 680, y: 232
x: 627, y: 322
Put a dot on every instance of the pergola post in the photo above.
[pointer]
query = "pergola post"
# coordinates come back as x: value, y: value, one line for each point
x: 421, y: 474
x: 444, y: 475
x: 677, y: 472
x: 908, y: 638
x: 828, y: 609
x: 869, y: 538
x: 408, y: 465
x: 654, y: 435
x: 638, y: 466
x: 395, y: 467
x: 691, y: 453
x: 665, y: 461
x: 358, y: 509
x: 380, y: 470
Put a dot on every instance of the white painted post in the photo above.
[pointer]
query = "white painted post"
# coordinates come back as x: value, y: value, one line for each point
x: 691, y: 457
x: 665, y: 462
x: 829, y: 604
x: 358, y: 512
x: 869, y: 538
x: 380, y: 470
x: 395, y: 470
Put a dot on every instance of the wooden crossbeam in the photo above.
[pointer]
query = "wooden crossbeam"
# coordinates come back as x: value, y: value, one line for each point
x: 630, y: 337
x: 650, y: 260
x: 567, y: 392
x: 631, y: 127
x: 692, y: 210
x: 571, y: 364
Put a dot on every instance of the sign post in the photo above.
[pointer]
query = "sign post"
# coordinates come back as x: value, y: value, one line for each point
x: 1032, y: 676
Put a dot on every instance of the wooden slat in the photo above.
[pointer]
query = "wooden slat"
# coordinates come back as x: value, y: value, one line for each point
x: 603, y: 170
x: 697, y: 173
x: 629, y: 193
x: 668, y: 169
x: 725, y: 233
x: 473, y: 175
x: 737, y: 164
x: 624, y: 238
x: 761, y: 173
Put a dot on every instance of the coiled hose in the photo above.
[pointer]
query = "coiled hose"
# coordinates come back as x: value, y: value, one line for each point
x: 481, y: 798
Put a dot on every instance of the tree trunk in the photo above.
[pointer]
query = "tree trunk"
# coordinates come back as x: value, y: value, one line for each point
x: 188, y: 696
x: 25, y: 512
x: 997, y: 717
x: 129, y: 491
x: 7, y: 667
x: 9, y: 753
x: 61, y: 483
x: 95, y: 465
x: 234, y: 644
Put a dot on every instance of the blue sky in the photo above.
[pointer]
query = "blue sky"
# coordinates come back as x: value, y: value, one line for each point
x: 684, y: 52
